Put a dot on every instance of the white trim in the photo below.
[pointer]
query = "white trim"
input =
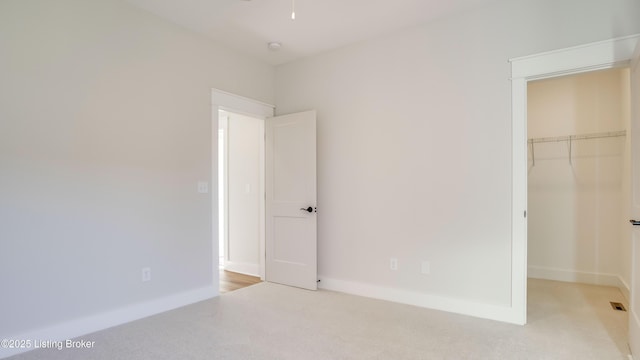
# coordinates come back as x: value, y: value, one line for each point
x: 215, y: 221
x: 453, y: 305
x: 594, y: 56
x: 241, y: 104
x: 634, y: 322
x: 625, y: 289
x: 243, y: 268
x: 86, y: 325
x: 222, y: 100
x: 583, y: 277
x: 577, y: 59
x: 519, y: 204
x: 263, y: 206
x: 223, y: 124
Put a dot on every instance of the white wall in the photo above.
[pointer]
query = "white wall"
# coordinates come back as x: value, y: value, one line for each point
x: 414, y: 146
x: 105, y: 130
x: 244, y: 193
x: 576, y: 210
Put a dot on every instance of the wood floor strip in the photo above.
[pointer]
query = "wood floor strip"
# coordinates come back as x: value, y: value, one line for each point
x: 230, y: 281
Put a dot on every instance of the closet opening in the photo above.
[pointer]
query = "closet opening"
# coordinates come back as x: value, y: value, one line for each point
x: 578, y: 186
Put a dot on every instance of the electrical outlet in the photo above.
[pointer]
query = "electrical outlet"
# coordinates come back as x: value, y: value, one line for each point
x: 393, y: 264
x: 426, y: 268
x: 146, y: 274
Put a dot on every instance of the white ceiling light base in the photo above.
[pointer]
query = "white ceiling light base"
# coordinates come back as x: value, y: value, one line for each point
x: 274, y: 46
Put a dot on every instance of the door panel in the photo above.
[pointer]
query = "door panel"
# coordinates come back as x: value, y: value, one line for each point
x: 291, y: 240
x: 634, y: 321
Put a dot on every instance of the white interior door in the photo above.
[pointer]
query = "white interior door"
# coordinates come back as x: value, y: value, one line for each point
x: 634, y: 320
x: 291, y: 241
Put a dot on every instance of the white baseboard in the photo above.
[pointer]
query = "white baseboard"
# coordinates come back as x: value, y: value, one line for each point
x: 538, y: 272
x: 243, y: 268
x: 86, y: 325
x: 625, y: 290
x: 459, y: 306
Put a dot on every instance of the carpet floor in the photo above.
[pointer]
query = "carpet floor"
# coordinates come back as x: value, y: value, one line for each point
x: 269, y: 321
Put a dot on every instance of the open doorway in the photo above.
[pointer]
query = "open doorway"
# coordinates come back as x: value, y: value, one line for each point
x: 288, y: 142
x: 221, y: 100
x: 578, y: 185
x: 602, y: 55
x: 578, y: 173
x: 240, y: 199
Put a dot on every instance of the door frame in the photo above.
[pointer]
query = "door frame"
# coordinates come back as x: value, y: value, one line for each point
x: 600, y: 55
x: 222, y: 100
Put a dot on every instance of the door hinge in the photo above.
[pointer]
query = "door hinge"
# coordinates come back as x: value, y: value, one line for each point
x: 525, y: 213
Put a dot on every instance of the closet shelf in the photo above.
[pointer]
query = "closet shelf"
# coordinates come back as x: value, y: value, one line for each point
x: 569, y: 139
x: 578, y: 137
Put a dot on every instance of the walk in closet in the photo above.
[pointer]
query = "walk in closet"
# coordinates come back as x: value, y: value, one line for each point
x: 578, y: 178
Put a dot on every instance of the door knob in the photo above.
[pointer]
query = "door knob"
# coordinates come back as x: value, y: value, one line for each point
x: 634, y: 222
x: 309, y: 209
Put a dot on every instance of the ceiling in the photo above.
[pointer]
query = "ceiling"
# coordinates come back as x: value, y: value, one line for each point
x: 320, y: 25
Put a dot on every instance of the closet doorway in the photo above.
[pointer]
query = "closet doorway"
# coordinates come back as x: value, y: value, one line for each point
x: 578, y: 178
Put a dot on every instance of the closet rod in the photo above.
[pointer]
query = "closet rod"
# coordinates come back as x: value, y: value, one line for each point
x: 578, y: 137
x: 569, y: 139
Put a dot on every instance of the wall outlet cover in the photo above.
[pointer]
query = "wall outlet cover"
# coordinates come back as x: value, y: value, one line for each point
x: 146, y: 274
x: 203, y: 187
x: 393, y: 264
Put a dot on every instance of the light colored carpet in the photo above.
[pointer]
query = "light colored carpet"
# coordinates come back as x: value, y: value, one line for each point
x: 269, y: 321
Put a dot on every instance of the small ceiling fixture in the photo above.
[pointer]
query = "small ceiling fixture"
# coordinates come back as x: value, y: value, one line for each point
x: 274, y: 46
x: 293, y: 9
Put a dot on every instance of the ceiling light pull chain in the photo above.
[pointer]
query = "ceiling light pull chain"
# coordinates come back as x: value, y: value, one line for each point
x: 293, y: 9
